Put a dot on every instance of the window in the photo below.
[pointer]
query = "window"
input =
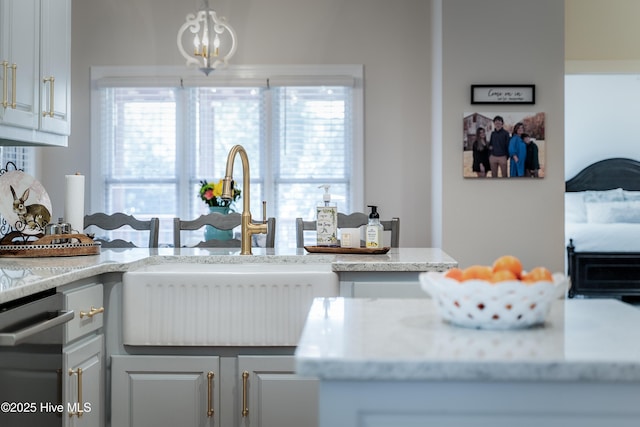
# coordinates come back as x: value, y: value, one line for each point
x: 23, y: 158
x: 157, y: 137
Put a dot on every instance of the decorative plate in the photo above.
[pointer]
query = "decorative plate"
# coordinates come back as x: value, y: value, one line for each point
x: 24, y: 203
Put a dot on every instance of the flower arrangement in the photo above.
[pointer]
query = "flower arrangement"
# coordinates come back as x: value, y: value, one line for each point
x: 211, y: 194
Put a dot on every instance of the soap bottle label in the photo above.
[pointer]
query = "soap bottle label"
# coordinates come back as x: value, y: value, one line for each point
x: 327, y: 226
x: 373, y: 236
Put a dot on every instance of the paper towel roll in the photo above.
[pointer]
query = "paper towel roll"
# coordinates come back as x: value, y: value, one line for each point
x: 74, y: 202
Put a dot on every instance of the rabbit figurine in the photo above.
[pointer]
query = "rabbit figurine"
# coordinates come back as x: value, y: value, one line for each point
x: 34, y: 216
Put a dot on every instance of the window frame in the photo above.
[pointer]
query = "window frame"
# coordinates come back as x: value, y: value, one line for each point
x: 252, y: 75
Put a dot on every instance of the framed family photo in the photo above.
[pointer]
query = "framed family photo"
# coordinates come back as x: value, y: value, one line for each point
x: 503, y: 145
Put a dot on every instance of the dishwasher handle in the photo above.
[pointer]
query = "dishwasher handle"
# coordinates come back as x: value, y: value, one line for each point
x: 10, y: 339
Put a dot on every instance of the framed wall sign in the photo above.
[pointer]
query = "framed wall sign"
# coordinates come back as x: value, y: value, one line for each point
x: 503, y: 94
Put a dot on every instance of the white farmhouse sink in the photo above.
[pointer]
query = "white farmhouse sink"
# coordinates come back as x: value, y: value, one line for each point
x: 245, y: 304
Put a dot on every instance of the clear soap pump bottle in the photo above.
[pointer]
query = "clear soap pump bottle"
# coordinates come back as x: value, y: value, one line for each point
x: 327, y: 220
x: 374, y: 229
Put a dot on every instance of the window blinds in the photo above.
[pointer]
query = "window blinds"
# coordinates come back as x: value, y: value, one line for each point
x: 160, y: 137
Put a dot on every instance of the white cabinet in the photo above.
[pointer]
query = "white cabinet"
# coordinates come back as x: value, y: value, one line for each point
x: 381, y: 284
x: 83, y: 373
x: 35, y: 63
x: 274, y: 395
x: 151, y: 391
x: 416, y: 403
x: 19, y: 47
x: 55, y: 62
x: 242, y: 391
x: 83, y: 370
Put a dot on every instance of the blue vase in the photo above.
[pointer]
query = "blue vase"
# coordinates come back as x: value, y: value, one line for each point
x: 211, y: 232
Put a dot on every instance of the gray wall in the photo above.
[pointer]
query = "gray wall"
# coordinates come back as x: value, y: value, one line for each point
x: 509, y: 42
x: 391, y: 39
x: 394, y: 42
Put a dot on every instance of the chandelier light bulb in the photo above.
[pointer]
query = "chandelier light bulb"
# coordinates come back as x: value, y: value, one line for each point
x: 216, y: 46
x: 196, y: 45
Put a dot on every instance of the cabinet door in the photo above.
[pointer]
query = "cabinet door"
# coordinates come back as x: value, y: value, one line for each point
x: 83, y: 379
x: 152, y: 391
x: 55, y: 64
x: 19, y: 40
x: 273, y: 395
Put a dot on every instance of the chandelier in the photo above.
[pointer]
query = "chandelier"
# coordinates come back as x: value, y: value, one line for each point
x: 214, y: 40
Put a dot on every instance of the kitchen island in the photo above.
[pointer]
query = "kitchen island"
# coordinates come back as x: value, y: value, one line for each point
x: 386, y: 362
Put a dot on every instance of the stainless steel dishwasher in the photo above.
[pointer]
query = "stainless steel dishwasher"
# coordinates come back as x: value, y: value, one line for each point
x: 31, y: 340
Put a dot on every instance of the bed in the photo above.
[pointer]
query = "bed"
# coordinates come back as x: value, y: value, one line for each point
x: 602, y: 230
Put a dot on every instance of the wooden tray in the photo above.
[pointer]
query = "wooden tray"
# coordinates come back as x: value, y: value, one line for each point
x: 43, y: 247
x: 337, y: 250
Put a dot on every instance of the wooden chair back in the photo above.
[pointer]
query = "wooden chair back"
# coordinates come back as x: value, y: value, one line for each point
x: 222, y: 222
x: 119, y: 220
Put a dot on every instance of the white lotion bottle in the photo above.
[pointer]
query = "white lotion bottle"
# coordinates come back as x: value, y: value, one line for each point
x: 327, y: 220
x: 374, y: 229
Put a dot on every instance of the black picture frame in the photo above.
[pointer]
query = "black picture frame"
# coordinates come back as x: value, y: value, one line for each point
x: 503, y: 94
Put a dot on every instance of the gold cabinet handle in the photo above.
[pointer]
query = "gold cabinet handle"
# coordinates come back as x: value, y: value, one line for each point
x: 51, y: 80
x: 79, y: 412
x: 245, y: 409
x: 210, y: 410
x: 14, y: 69
x: 5, y: 103
x: 92, y: 312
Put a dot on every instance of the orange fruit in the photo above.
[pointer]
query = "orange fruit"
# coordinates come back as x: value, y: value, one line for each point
x: 509, y: 263
x: 454, y: 273
x: 481, y: 272
x: 537, y: 274
x: 502, y: 275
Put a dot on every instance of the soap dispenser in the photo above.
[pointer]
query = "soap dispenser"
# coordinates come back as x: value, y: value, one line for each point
x: 374, y: 229
x: 327, y: 220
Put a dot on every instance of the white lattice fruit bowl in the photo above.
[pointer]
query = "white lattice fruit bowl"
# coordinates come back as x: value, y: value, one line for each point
x: 483, y: 305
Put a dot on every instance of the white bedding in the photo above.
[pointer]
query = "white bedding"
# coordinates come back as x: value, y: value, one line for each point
x: 603, y: 221
x: 593, y: 237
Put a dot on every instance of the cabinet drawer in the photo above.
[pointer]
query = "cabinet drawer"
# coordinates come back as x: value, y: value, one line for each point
x: 88, y: 308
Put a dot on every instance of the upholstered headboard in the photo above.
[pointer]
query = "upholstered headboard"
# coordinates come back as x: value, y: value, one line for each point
x: 606, y: 175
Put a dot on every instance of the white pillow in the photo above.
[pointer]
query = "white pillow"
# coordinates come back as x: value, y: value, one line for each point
x: 613, y: 212
x: 574, y: 207
x: 615, y: 195
x: 631, y: 195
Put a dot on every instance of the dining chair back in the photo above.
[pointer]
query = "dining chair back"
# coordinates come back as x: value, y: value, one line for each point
x: 221, y: 222
x: 124, y: 224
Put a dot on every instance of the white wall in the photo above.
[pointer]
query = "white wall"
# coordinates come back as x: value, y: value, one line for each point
x: 507, y: 42
x: 601, y: 119
x: 602, y: 86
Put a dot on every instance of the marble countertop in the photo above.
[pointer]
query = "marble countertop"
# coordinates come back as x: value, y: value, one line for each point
x: 390, y: 339
x: 21, y: 277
